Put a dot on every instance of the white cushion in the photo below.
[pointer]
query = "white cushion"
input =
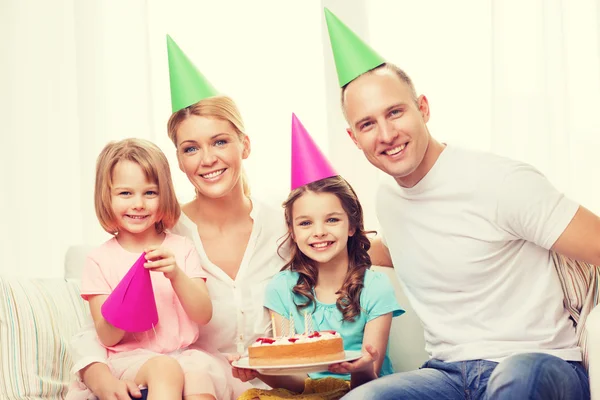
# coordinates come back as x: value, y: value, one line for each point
x: 74, y: 260
x: 37, y: 320
x: 407, y: 341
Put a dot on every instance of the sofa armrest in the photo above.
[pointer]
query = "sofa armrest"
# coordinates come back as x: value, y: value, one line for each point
x: 38, y: 318
x: 593, y: 334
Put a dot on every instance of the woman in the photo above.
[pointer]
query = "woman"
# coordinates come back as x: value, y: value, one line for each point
x: 235, y: 234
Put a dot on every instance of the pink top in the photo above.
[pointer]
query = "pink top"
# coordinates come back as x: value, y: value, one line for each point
x: 106, y: 265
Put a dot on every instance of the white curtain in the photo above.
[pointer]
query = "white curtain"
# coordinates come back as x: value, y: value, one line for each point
x: 519, y: 78
x: 74, y: 75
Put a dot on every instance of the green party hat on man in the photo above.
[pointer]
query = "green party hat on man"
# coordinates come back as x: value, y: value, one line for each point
x: 353, y: 57
x: 188, y: 85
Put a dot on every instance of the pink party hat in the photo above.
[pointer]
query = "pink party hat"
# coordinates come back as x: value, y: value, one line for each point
x: 308, y: 163
x: 131, y: 306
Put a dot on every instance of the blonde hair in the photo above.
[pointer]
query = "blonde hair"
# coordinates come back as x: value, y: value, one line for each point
x: 156, y: 168
x: 221, y: 107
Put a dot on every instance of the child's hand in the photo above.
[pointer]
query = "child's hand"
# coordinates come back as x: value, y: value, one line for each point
x: 363, y: 364
x: 162, y: 260
x: 242, y: 374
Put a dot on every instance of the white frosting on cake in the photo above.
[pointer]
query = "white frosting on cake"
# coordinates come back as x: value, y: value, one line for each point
x: 298, y: 338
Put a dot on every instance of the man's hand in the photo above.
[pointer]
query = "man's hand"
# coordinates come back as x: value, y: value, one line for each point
x: 118, y: 390
x: 363, y: 364
x: 105, y: 386
x: 380, y: 254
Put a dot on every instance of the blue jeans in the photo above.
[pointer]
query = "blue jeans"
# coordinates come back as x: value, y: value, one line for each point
x: 529, y: 376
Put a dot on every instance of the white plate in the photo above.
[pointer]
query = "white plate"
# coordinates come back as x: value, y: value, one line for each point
x: 351, y: 355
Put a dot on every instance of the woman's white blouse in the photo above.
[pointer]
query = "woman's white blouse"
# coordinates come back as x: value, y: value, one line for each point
x: 239, y: 316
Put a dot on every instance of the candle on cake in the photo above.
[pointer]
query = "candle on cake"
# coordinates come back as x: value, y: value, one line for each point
x: 307, y: 323
x: 282, y: 327
x: 273, y: 324
x: 291, y: 326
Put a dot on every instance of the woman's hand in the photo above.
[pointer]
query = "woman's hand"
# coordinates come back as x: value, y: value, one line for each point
x: 162, y: 260
x: 243, y: 374
x: 294, y: 383
x: 363, y: 364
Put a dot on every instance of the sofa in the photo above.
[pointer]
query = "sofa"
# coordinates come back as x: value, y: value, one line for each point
x: 39, y: 316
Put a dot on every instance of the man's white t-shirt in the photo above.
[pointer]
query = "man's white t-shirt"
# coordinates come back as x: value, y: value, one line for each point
x: 470, y: 245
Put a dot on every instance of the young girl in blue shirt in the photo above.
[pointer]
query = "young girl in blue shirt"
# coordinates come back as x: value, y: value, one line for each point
x: 329, y: 277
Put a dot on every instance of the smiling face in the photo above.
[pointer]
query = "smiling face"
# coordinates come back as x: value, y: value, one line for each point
x: 210, y: 153
x: 320, y: 227
x: 134, y: 199
x: 388, y: 124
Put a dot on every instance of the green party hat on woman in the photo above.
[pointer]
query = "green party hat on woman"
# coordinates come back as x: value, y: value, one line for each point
x: 188, y: 85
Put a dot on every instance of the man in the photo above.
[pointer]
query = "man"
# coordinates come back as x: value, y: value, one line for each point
x: 469, y: 234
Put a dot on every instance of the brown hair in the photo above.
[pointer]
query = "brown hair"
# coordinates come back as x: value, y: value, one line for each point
x: 156, y: 168
x: 390, y: 67
x: 348, y: 301
x: 221, y: 107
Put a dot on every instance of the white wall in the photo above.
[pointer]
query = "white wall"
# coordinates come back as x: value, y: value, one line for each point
x: 519, y: 78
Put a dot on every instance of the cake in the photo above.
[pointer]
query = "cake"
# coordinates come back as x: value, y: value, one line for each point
x: 297, y: 349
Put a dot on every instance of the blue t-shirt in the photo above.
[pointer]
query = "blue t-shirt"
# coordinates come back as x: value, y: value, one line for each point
x: 377, y: 298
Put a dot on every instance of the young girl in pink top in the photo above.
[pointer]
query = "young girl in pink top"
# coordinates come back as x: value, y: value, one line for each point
x: 135, y: 202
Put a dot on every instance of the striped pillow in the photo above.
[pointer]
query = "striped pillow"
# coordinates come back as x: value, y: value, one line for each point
x: 580, y: 283
x: 38, y: 317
